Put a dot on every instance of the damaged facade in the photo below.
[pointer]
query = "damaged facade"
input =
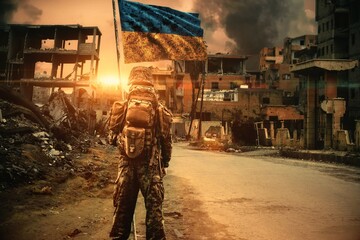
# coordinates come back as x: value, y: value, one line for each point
x: 231, y: 97
x: 39, y: 60
x: 221, y: 90
x: 49, y: 56
x: 332, y: 79
x: 316, y: 114
x: 47, y: 75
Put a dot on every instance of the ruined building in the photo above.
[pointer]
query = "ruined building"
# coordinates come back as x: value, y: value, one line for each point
x: 230, y: 93
x: 270, y: 56
x: 293, y: 46
x: 332, y: 79
x: 49, y: 56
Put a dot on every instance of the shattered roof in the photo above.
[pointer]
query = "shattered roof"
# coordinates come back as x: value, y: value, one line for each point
x: 324, y: 65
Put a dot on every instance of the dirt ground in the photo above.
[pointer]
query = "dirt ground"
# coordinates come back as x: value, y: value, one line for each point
x: 77, y: 203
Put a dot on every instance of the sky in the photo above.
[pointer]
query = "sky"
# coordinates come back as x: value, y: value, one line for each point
x: 230, y: 26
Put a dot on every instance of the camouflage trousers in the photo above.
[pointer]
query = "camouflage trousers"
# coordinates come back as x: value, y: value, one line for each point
x: 135, y: 175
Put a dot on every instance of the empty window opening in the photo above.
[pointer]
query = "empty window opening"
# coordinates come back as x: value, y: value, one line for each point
x: 215, y: 85
x: 266, y: 100
x: 47, y: 44
x: 286, y: 76
x: 234, y: 85
x: 231, y: 66
x: 353, y: 39
x: 42, y: 70
x: 214, y: 65
x: 70, y: 45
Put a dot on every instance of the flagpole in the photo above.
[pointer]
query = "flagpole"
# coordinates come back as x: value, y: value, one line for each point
x: 117, y: 47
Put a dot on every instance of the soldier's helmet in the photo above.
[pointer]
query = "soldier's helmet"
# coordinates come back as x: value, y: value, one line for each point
x: 140, y: 76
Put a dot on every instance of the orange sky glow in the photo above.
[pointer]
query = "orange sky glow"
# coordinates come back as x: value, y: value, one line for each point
x: 100, y: 13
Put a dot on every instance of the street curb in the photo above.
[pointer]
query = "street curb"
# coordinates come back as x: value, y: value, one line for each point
x: 322, y: 157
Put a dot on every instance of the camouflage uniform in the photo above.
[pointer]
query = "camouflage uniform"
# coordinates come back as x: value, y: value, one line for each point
x: 144, y: 173
x: 135, y: 174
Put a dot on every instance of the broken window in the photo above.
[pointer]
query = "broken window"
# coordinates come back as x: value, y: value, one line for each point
x: 353, y: 39
x: 341, y: 20
x: 214, y: 65
x: 205, y: 116
x: 214, y: 85
x: 286, y: 76
x: 273, y: 118
x: 47, y: 44
x: 70, y: 45
x: 354, y: 15
x: 227, y: 96
x: 232, y: 66
x: 234, y: 85
x: 352, y: 93
x: 42, y: 70
x: 266, y: 100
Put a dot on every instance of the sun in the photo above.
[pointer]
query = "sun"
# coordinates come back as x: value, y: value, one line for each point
x: 110, y: 81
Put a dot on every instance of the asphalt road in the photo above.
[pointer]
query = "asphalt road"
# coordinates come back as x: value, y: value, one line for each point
x: 260, y: 197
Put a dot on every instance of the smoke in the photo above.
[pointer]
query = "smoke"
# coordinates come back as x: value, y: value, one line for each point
x: 7, y: 8
x: 33, y: 13
x: 254, y: 24
x: 30, y: 13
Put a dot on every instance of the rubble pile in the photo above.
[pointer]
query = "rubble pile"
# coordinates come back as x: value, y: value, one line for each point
x: 211, y: 144
x: 39, y: 143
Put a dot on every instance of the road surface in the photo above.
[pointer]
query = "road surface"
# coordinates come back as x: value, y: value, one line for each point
x: 208, y: 196
x: 265, y: 197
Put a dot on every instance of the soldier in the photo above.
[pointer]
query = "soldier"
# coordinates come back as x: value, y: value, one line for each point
x: 141, y: 128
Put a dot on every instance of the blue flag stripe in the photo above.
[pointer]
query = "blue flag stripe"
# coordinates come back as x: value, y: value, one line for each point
x: 138, y: 17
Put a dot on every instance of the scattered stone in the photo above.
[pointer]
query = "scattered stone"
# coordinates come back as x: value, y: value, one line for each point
x: 41, y: 135
x: 178, y: 233
x: 54, y: 152
x: 74, y: 233
x: 44, y: 190
x: 173, y: 214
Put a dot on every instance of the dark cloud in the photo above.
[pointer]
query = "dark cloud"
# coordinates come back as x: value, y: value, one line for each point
x: 254, y: 24
x: 32, y: 12
x: 7, y: 8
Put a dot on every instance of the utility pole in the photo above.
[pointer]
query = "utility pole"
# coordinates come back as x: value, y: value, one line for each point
x: 202, y: 98
x: 194, y: 75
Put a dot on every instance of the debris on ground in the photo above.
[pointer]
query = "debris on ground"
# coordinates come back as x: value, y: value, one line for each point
x: 39, y: 143
x: 212, y: 144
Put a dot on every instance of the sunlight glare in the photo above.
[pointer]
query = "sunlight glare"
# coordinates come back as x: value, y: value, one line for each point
x: 110, y: 81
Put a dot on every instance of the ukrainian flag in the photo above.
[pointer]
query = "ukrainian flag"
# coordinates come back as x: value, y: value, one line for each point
x: 152, y: 33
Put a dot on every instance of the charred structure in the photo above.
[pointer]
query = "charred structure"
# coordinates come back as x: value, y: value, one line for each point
x: 68, y: 56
